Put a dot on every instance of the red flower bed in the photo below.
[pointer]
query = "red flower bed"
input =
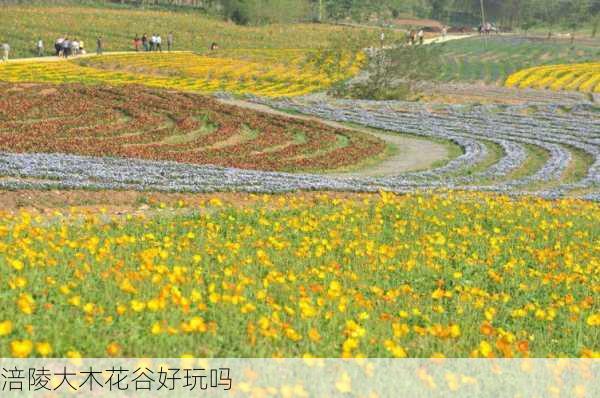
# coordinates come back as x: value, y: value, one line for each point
x: 138, y: 122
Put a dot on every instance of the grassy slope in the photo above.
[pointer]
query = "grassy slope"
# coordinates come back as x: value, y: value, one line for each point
x: 473, y: 60
x: 192, y: 29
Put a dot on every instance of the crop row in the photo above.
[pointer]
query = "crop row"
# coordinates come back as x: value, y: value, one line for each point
x: 581, y: 77
x: 284, y: 73
x: 136, y: 122
x: 551, y: 128
x: 556, y: 131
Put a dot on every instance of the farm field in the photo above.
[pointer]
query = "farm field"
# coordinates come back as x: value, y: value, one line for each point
x: 324, y: 275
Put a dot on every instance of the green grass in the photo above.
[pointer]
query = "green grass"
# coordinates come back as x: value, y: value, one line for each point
x: 475, y: 60
x: 579, y: 167
x: 536, y: 158
x: 494, y: 154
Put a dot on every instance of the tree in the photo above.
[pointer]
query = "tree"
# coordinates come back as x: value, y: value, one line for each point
x: 438, y: 9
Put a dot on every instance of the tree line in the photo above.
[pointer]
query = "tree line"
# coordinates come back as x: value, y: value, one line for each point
x: 507, y: 13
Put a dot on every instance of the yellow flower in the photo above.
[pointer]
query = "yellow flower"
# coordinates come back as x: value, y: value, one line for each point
x: 248, y: 307
x: 44, y: 349
x: 6, y: 328
x: 18, y: 282
x: 335, y: 289
x: 455, y: 331
x: 21, y: 348
x: 292, y: 334
x: 396, y: 350
x: 485, y: 349
x: 26, y: 304
x: 137, y: 306
x: 127, y: 286
x: 73, y: 354
x: 349, y: 344
x: 593, y: 320
x: 156, y: 328
x: 16, y: 264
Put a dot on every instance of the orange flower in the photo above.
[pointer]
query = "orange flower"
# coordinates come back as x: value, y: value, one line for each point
x: 523, y: 346
x: 113, y: 349
x: 486, y: 329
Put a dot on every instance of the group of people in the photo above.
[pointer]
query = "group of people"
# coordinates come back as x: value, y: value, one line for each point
x: 414, y: 36
x: 64, y: 47
x: 486, y: 29
x: 152, y: 43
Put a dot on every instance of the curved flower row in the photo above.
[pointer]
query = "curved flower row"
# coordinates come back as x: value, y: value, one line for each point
x: 551, y: 128
x: 136, y: 122
x: 576, y: 77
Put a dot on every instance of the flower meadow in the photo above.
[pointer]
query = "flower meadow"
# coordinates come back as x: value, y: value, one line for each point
x: 583, y: 77
x: 271, y: 73
x: 137, y: 122
x: 455, y: 275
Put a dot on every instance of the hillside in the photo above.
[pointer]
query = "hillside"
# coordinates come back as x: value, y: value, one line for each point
x: 192, y: 30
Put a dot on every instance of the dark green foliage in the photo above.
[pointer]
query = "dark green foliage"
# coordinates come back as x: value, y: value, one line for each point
x: 394, y: 74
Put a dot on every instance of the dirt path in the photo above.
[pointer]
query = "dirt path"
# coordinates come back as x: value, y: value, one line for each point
x: 447, y: 38
x: 52, y: 58
x: 411, y: 154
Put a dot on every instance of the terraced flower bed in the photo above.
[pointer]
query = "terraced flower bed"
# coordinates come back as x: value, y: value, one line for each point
x: 140, y: 123
x: 556, y: 130
x: 271, y: 73
x: 575, y: 77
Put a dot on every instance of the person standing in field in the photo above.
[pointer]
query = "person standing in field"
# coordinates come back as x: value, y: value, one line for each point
x: 5, y: 51
x: 136, y: 43
x: 421, y: 36
x: 66, y: 47
x: 74, y: 47
x: 40, y: 48
x: 169, y: 41
x: 99, y: 45
x: 58, y: 45
x: 153, y: 42
x: 158, y: 43
x: 145, y: 41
